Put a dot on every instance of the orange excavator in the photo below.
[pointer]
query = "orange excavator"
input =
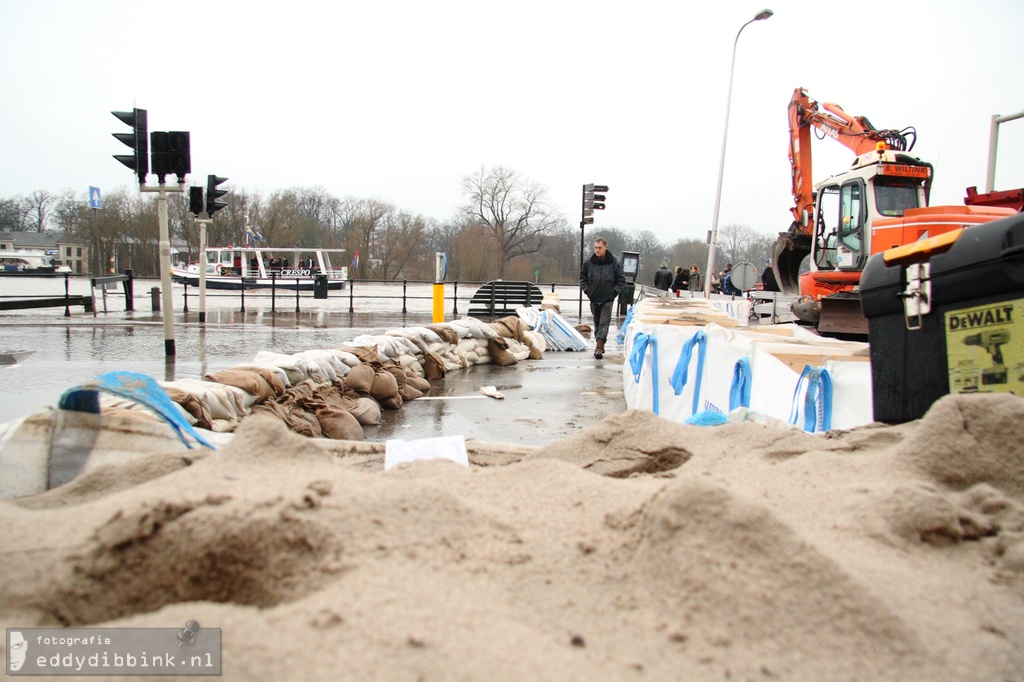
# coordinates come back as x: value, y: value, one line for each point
x: 880, y: 202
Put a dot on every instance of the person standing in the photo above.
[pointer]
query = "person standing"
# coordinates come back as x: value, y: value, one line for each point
x: 768, y: 281
x: 682, y: 279
x: 601, y: 279
x: 695, y: 283
x: 663, y: 278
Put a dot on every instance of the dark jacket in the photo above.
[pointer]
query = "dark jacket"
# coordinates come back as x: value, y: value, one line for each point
x: 602, y: 280
x: 768, y: 278
x: 682, y: 280
x: 663, y: 279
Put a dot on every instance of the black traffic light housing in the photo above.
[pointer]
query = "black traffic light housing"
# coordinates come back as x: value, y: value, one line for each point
x: 593, y: 200
x: 137, y: 140
x: 171, y: 154
x: 212, y: 194
x: 195, y: 200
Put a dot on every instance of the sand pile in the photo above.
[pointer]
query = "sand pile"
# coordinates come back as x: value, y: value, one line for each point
x: 640, y: 549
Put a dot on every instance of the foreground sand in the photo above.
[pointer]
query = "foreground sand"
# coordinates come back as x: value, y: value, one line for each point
x: 639, y: 549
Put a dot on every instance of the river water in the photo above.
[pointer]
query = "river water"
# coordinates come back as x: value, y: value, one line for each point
x: 66, y: 351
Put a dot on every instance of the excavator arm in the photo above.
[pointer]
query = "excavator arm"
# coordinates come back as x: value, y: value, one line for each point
x: 854, y: 132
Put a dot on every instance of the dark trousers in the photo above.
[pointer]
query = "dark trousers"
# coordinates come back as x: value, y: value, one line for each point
x: 602, y: 318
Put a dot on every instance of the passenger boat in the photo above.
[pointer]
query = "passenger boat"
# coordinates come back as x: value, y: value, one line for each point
x: 28, y: 262
x: 232, y: 267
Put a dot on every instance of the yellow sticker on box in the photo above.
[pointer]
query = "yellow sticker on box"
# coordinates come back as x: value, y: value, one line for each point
x: 985, y: 348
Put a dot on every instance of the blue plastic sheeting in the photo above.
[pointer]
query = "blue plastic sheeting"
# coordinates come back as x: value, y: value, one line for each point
x: 133, y: 386
x: 558, y: 333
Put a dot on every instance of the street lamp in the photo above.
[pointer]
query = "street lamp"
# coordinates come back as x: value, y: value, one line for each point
x: 763, y: 14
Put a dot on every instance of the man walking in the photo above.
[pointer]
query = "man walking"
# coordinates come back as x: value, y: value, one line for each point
x: 601, y: 279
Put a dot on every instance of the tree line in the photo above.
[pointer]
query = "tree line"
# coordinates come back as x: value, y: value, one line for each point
x: 507, y: 228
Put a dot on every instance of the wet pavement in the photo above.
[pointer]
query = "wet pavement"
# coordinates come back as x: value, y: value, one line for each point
x: 545, y: 400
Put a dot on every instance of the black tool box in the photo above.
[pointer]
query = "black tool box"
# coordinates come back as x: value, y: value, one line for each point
x: 946, y: 315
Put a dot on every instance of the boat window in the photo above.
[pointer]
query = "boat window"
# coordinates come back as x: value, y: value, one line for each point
x: 894, y: 195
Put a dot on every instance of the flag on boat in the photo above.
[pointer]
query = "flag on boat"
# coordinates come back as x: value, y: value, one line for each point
x: 355, y: 260
x: 253, y: 234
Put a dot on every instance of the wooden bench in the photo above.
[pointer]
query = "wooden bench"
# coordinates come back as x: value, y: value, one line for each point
x: 499, y: 298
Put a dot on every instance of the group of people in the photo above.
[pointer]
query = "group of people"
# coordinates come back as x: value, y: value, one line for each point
x: 603, y: 279
x: 691, y: 280
x: 684, y: 279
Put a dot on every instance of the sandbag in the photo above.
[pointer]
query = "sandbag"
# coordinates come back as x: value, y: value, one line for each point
x: 338, y: 424
x: 198, y: 409
x: 418, y: 383
x: 365, y: 410
x: 248, y: 380
x: 384, y: 385
x: 360, y: 378
x: 497, y: 348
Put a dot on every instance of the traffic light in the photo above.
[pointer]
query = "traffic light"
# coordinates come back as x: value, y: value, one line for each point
x: 592, y: 201
x: 158, y: 144
x: 195, y: 200
x: 137, y: 140
x: 212, y: 194
x: 179, y: 149
x: 171, y: 154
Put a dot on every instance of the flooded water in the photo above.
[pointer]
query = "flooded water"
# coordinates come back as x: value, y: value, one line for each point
x: 66, y: 351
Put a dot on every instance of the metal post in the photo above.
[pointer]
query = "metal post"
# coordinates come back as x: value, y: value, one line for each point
x: 67, y: 297
x: 993, y: 143
x: 712, y: 242
x: 165, y: 262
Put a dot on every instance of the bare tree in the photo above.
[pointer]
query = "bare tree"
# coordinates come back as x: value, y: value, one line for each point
x: 514, y: 211
x: 67, y: 211
x: 36, y: 208
x: 10, y: 214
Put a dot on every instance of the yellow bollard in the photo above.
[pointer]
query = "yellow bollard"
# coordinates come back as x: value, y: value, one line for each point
x: 438, y: 302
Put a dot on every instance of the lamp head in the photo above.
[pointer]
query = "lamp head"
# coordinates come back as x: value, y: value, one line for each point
x: 763, y: 14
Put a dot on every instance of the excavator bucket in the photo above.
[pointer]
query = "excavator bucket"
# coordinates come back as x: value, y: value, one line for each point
x: 841, y: 316
x: 788, y: 252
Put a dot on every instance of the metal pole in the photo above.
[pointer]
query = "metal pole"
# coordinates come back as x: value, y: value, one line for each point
x: 165, y: 262
x: 165, y: 274
x: 993, y: 143
x: 712, y: 242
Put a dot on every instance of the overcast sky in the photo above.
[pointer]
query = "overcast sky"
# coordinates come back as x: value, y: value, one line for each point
x: 398, y: 100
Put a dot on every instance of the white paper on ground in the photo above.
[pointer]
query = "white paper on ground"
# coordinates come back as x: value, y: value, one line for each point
x: 398, y: 451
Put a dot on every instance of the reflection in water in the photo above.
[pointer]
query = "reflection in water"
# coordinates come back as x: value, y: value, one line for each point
x: 169, y: 367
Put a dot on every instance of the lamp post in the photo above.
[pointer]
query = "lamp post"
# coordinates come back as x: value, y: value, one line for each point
x: 763, y: 14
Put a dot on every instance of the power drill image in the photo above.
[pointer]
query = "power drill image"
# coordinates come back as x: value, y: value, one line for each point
x: 993, y: 342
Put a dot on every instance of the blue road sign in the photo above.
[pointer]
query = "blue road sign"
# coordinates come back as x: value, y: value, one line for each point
x: 94, y: 198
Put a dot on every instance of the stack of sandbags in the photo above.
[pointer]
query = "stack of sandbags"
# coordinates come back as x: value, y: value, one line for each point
x: 551, y: 301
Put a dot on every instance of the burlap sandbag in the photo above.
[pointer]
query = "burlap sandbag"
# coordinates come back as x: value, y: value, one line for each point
x: 384, y: 385
x: 498, y: 350
x: 249, y: 380
x: 338, y: 424
x: 409, y: 392
x: 447, y: 334
x: 433, y: 366
x: 360, y: 378
x: 199, y: 410
x: 392, y: 403
x: 399, y: 375
x: 418, y: 382
x: 294, y: 417
x: 365, y: 410
x: 368, y: 355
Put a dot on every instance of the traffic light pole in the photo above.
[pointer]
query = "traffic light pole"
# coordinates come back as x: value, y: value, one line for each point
x: 203, y: 222
x: 167, y: 300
